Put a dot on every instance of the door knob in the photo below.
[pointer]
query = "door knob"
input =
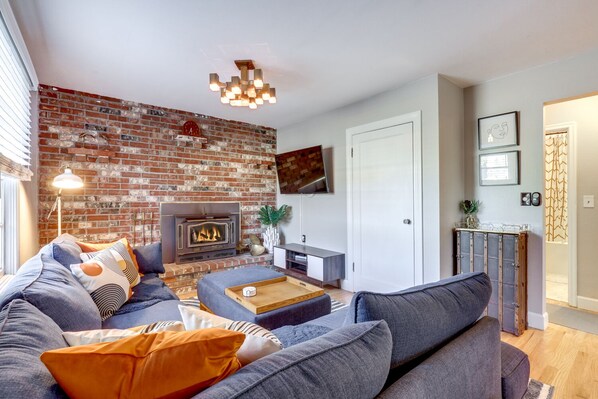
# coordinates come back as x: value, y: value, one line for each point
x: 406, y: 221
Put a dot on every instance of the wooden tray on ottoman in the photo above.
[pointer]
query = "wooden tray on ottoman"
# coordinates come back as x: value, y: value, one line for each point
x: 274, y: 294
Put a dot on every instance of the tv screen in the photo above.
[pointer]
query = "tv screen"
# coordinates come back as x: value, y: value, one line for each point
x: 302, y: 171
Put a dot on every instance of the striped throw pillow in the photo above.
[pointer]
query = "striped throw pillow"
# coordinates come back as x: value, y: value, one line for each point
x: 258, y: 343
x: 159, y: 326
x: 116, y: 257
x: 108, y: 288
x: 249, y: 328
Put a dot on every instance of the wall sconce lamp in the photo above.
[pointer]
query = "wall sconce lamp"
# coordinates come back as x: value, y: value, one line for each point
x: 66, y: 180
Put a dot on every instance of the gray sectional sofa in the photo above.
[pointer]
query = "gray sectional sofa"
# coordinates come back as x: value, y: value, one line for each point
x: 427, y: 342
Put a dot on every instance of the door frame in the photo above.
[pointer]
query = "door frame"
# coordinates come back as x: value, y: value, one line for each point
x: 418, y: 254
x: 571, y: 128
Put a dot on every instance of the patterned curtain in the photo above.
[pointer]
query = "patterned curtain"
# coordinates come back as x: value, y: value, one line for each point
x: 556, y: 187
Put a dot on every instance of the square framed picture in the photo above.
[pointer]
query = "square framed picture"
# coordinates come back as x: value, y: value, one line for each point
x: 498, y: 131
x: 499, y: 169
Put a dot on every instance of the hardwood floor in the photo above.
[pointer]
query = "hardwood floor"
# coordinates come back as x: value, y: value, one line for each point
x: 338, y: 294
x: 563, y: 357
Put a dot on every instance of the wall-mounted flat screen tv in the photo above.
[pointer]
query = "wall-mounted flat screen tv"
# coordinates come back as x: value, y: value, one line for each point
x: 302, y: 171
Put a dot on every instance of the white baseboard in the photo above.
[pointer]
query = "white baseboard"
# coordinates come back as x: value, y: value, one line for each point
x: 587, y: 303
x: 346, y: 285
x: 537, y: 320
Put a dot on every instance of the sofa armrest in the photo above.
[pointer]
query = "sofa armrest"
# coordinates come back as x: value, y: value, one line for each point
x: 468, y: 367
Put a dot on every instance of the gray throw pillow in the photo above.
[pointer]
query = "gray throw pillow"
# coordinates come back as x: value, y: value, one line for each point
x: 324, y: 367
x: 424, y: 317
x: 25, y: 333
x: 66, y: 253
x: 149, y: 258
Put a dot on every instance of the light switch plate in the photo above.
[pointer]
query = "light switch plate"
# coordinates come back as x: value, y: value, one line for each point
x: 588, y: 201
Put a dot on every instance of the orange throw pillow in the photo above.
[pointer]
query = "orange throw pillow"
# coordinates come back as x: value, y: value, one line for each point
x: 163, y: 365
x: 91, y: 247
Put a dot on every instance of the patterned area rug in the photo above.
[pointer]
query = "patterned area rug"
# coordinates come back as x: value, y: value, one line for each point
x: 336, y: 305
x: 538, y: 390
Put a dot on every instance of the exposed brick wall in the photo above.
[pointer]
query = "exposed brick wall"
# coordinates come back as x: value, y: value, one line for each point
x: 131, y: 157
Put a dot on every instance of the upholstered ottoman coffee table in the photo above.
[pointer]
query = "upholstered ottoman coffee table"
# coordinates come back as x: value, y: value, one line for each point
x: 212, y: 297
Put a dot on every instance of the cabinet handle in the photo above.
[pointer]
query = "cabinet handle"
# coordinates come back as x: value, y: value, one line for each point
x: 406, y: 221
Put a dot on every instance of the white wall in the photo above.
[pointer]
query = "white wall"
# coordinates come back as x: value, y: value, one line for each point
x: 526, y: 91
x: 323, y: 217
x: 452, y: 168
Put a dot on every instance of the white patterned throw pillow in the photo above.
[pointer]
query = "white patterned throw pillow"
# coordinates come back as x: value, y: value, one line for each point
x: 76, y: 338
x: 116, y: 257
x: 108, y: 288
x: 196, y: 319
x: 259, y: 342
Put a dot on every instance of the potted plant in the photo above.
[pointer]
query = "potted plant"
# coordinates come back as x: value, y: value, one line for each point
x: 470, y: 208
x: 269, y: 216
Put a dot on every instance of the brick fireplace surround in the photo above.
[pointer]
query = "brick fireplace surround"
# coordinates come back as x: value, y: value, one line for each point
x: 132, y: 156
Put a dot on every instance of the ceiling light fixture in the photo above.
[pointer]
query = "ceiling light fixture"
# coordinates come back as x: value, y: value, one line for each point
x: 242, y: 91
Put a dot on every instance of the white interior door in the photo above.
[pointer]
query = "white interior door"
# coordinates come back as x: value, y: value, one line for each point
x: 383, y: 209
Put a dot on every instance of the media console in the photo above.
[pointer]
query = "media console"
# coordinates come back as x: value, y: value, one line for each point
x: 316, y: 264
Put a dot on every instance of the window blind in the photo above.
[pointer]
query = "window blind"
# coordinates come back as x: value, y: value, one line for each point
x: 15, y: 109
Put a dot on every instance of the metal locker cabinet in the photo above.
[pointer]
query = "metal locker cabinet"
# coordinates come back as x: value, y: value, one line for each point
x: 503, y: 256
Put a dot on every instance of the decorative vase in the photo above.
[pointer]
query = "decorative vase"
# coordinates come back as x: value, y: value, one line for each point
x: 471, y: 221
x: 271, y: 238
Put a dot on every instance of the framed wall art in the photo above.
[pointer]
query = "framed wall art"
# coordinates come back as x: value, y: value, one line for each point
x: 498, y: 131
x: 499, y: 169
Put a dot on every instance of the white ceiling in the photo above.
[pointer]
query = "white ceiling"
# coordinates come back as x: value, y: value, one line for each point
x: 319, y: 54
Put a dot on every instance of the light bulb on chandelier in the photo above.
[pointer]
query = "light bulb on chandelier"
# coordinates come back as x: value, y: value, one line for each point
x: 242, y: 91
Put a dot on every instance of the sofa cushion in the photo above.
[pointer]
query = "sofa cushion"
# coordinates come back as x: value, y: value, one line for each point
x: 160, y: 311
x: 150, y: 291
x: 293, y: 335
x: 51, y: 288
x: 149, y: 258
x: 25, y: 333
x: 167, y: 364
x: 304, y: 371
x: 423, y: 318
x: 515, y: 369
x: 468, y: 367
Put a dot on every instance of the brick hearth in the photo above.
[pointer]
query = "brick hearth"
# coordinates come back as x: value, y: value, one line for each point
x: 182, y: 279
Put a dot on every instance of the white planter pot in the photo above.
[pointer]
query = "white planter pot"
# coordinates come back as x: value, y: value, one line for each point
x: 271, y: 238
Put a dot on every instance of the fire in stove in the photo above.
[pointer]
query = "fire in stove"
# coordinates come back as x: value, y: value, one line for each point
x: 210, y: 237
x: 206, y: 233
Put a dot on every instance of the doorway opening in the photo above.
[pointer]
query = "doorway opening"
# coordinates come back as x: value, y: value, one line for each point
x: 571, y: 219
x: 557, y: 140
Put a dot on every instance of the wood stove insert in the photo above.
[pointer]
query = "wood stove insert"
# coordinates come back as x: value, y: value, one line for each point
x: 206, y: 237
